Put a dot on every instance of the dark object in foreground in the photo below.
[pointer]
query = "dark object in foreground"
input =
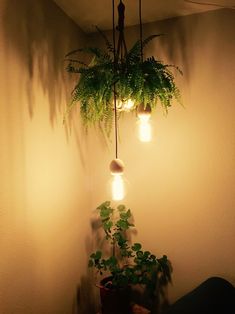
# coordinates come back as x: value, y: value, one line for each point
x: 213, y: 296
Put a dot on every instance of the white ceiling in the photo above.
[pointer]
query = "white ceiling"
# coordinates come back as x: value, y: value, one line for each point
x: 99, y: 12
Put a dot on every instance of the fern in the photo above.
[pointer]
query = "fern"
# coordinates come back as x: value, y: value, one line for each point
x: 150, y: 81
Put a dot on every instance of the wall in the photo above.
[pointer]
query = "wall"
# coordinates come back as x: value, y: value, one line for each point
x: 44, y: 194
x: 181, y: 186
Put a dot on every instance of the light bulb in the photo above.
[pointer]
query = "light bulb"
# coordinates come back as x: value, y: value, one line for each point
x: 119, y: 104
x: 117, y: 183
x: 124, y: 105
x: 145, y: 130
x: 117, y: 187
x: 128, y: 104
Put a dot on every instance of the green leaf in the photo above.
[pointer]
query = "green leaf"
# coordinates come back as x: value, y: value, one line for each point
x: 146, y: 254
x: 105, y: 212
x: 105, y: 204
x: 136, y: 247
x: 122, y: 224
x: 152, y: 257
x: 125, y: 215
x: 121, y: 207
x: 90, y: 263
x: 139, y: 254
x: 98, y: 255
x: 135, y: 279
x: 113, y: 260
x: 107, y: 225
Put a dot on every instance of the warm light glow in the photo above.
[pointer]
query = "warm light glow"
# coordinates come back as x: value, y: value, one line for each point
x: 128, y: 104
x: 125, y: 105
x: 119, y: 104
x: 117, y: 187
x: 145, y: 130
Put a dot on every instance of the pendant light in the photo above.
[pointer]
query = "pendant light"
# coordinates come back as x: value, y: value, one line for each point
x: 117, y: 165
x: 144, y: 124
x: 122, y: 104
x: 143, y: 110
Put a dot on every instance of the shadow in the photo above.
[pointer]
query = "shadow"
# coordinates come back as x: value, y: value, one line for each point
x: 39, y: 34
x: 175, y: 46
x: 87, y: 298
x: 184, y: 37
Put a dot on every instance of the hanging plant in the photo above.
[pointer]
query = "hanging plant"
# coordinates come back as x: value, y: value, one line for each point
x: 125, y: 74
x: 94, y: 89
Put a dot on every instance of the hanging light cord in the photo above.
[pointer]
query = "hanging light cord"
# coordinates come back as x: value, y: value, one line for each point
x: 114, y: 87
x: 141, y: 32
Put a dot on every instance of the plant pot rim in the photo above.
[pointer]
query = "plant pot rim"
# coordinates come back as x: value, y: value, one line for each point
x: 101, y: 284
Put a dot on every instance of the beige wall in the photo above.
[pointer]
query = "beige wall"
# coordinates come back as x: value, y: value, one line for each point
x: 44, y: 203
x: 182, y: 185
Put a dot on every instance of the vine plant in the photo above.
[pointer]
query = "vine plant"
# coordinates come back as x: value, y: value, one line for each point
x: 127, y: 264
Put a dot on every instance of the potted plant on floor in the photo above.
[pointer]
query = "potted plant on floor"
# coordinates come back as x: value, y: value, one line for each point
x: 127, y: 266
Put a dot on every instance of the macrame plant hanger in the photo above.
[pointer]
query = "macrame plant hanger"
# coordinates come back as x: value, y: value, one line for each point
x: 121, y: 48
x: 141, y: 32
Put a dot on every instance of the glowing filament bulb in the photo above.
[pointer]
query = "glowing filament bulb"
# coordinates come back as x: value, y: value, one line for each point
x: 116, y: 168
x: 145, y: 130
x: 117, y: 187
x: 128, y: 105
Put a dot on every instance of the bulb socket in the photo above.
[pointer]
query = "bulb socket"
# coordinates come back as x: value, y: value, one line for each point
x: 144, y: 110
x: 116, y: 166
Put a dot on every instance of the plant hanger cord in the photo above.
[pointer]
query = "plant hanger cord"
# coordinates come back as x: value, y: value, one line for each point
x: 114, y: 85
x: 141, y: 38
x: 141, y: 32
x: 121, y: 49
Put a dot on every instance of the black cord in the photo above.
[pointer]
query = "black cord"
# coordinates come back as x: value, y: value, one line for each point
x: 114, y: 87
x: 141, y: 32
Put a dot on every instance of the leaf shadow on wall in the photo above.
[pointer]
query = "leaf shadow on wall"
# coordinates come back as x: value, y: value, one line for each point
x: 87, y: 294
x: 35, y: 33
x: 177, y: 44
x: 86, y: 299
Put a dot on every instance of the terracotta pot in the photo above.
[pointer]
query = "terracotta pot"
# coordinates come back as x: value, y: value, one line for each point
x: 114, y: 301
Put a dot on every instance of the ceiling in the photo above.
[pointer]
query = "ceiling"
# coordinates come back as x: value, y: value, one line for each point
x: 87, y: 14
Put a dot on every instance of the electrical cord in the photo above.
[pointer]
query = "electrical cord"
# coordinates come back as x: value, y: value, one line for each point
x: 114, y: 87
x: 141, y: 31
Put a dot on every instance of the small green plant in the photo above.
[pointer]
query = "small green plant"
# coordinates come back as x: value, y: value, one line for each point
x: 127, y: 264
x: 148, y: 81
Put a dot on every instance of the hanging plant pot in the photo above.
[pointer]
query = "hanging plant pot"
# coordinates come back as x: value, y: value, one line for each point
x: 114, y: 300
